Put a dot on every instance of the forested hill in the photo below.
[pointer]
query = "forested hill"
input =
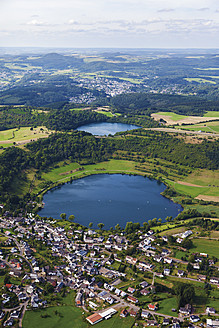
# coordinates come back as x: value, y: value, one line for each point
x: 145, y: 102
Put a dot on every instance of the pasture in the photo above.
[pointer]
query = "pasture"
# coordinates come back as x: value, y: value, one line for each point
x: 22, y: 135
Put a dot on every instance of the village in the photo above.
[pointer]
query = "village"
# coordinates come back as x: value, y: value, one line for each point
x: 108, y: 272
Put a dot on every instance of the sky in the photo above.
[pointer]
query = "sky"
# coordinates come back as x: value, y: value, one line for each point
x: 109, y: 23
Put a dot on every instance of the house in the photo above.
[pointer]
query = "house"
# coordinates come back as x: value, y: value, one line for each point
x: 201, y: 277
x: 151, y: 323
x: 131, y: 290
x: 186, y: 310
x: 94, y: 318
x: 131, y: 260
x: 194, y: 318
x: 145, y: 292
x: 144, y: 284
x: 123, y: 313
x: 213, y: 323
x: 180, y: 273
x: 187, y: 234
x: 196, y: 266
x: 214, y: 280
x: 210, y: 310
x: 133, y: 313
x: 166, y: 272
x: 132, y: 299
x: 145, y: 314
x: 123, y: 294
x: 78, y: 299
x: 152, y: 307
x: 117, y: 291
x: 168, y: 260
x: 166, y: 321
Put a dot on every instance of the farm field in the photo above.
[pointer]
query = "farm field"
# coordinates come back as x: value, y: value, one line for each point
x: 209, y: 246
x: 22, y: 135
x: 173, y: 118
x: 212, y: 114
x: 199, y: 80
x: 212, y: 127
x: 194, y: 191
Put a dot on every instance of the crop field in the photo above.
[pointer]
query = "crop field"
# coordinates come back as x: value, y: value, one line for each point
x: 173, y: 118
x: 22, y: 135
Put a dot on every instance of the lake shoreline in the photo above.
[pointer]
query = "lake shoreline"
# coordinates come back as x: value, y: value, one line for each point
x: 87, y: 175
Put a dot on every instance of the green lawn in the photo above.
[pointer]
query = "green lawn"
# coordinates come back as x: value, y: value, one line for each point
x: 68, y: 317
x: 211, y: 247
x: 166, y: 306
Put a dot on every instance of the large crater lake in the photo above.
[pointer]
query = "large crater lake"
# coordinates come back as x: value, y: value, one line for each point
x: 105, y: 128
x: 110, y: 199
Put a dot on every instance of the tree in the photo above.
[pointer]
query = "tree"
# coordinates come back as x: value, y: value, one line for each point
x: 71, y: 217
x: 63, y: 216
x: 90, y: 225
x: 118, y: 228
x: 145, y: 226
x: 100, y: 226
x: 187, y: 243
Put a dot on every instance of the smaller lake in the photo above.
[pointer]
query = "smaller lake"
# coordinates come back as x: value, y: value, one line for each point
x: 104, y: 128
x: 110, y: 199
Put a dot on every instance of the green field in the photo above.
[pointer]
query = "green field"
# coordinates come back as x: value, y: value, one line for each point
x: 22, y: 134
x: 166, y: 306
x: 212, y: 127
x: 173, y: 116
x: 209, y: 246
x: 199, y: 80
x: 211, y: 113
x: 69, y: 317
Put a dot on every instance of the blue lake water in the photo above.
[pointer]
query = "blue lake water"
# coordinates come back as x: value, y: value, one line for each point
x: 110, y: 199
x: 104, y: 128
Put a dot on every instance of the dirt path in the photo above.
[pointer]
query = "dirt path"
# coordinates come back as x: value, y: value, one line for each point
x: 189, y: 184
x: 208, y: 198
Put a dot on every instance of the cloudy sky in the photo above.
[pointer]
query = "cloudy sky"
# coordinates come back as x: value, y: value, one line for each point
x: 110, y: 23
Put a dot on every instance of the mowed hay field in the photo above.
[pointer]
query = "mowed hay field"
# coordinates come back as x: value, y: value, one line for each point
x: 201, y: 183
x: 173, y: 118
x: 22, y: 135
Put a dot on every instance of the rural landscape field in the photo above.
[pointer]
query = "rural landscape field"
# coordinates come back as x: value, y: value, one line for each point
x: 73, y: 125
